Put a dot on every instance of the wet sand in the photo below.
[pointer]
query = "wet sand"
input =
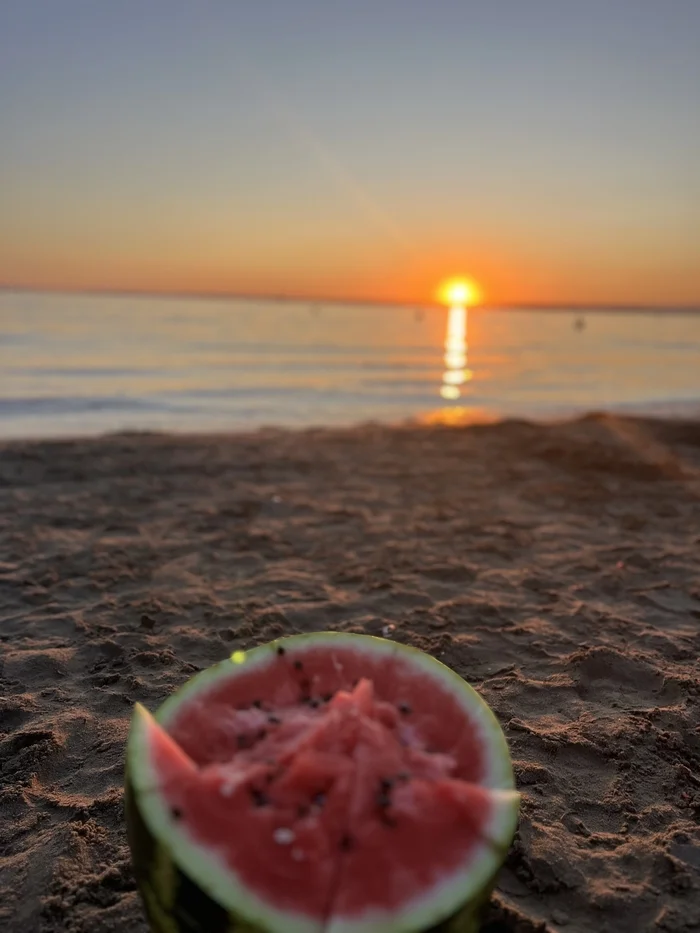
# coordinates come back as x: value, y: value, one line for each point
x: 557, y: 568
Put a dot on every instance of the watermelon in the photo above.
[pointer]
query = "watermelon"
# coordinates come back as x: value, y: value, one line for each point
x: 323, y: 783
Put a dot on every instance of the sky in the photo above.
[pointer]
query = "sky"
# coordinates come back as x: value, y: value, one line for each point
x: 357, y: 149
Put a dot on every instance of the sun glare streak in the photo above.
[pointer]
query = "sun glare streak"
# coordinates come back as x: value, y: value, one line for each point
x: 456, y: 374
x: 288, y: 117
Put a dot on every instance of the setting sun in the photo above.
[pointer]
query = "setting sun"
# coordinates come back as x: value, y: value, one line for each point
x: 459, y: 292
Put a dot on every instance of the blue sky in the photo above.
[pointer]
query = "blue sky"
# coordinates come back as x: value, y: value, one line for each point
x: 550, y: 148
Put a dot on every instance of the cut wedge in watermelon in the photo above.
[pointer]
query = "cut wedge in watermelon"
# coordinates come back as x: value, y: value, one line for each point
x: 323, y: 783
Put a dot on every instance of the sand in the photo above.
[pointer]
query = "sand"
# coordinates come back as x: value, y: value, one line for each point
x: 557, y: 568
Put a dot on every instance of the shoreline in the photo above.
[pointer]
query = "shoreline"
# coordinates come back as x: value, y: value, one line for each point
x: 679, y: 412
x: 555, y: 566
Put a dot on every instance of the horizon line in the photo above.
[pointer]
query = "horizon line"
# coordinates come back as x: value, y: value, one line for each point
x: 340, y: 300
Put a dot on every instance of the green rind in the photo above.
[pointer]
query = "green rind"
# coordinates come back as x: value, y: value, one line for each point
x: 185, y: 890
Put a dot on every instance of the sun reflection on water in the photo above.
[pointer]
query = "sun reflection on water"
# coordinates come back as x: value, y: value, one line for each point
x: 456, y: 373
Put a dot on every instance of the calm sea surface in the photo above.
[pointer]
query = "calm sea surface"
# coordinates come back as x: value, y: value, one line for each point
x: 72, y: 365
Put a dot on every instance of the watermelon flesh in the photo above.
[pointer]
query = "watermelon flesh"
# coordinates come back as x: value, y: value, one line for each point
x: 323, y: 784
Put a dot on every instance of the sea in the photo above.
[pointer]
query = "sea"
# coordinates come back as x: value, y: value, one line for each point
x: 76, y: 365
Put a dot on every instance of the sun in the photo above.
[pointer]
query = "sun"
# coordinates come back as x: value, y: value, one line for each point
x: 459, y: 293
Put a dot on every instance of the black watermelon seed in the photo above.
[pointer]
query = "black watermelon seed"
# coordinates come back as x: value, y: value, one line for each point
x: 176, y: 813
x: 386, y: 784
x: 319, y: 799
x: 280, y: 650
x: 260, y: 798
x: 298, y: 665
x: 327, y: 697
x: 405, y: 709
x: 273, y: 720
x: 313, y: 703
x: 305, y: 686
x: 346, y: 843
x: 257, y: 704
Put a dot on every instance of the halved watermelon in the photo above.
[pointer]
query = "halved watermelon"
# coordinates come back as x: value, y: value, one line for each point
x: 324, y: 783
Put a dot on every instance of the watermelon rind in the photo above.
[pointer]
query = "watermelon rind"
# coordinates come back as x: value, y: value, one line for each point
x: 185, y: 887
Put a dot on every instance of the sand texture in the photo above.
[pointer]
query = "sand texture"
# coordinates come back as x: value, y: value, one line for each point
x: 557, y: 568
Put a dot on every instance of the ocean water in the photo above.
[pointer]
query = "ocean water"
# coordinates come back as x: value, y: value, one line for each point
x: 83, y: 364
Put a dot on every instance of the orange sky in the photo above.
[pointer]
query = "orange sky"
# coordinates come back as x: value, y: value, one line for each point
x: 87, y: 263
x: 552, y: 156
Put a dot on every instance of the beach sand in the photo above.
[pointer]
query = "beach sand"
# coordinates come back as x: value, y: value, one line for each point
x: 557, y: 568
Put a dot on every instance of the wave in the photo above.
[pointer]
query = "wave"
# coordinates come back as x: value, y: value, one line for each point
x: 90, y: 372
x: 70, y: 405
